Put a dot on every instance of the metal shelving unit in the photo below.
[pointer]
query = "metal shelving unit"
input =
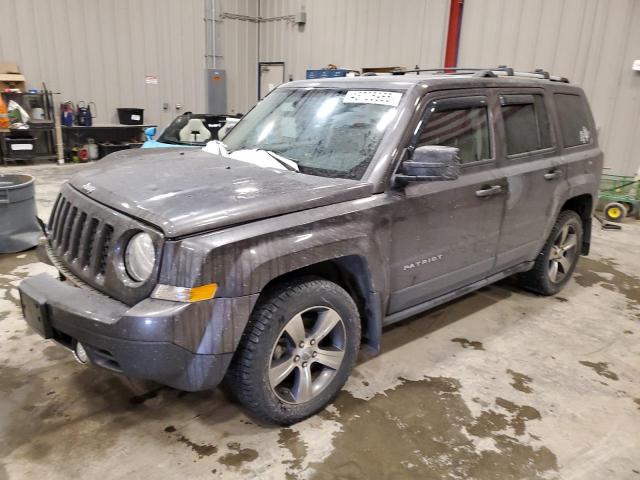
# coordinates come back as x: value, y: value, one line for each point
x: 108, y: 137
x: 41, y: 133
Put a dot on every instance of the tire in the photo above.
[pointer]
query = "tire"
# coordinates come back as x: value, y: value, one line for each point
x: 540, y: 278
x: 629, y: 209
x: 615, y: 211
x: 282, y: 382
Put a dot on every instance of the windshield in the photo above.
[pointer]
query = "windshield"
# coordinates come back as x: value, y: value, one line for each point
x: 327, y: 131
x: 192, y: 129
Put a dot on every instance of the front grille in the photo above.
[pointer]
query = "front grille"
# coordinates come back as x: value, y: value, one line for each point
x: 79, y: 239
x: 85, y: 243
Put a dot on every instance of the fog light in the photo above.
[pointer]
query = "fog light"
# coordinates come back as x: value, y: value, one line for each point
x: 80, y: 354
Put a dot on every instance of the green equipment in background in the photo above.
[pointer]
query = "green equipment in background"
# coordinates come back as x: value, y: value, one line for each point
x: 620, y: 196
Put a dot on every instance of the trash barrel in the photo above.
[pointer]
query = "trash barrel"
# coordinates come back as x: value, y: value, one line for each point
x: 19, y: 229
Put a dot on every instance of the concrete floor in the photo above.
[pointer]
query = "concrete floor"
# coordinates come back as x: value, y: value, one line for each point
x: 499, y: 384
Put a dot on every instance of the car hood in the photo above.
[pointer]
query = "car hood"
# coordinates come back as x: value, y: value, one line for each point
x: 182, y: 191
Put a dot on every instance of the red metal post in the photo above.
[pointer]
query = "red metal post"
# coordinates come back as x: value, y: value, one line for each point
x: 453, y: 34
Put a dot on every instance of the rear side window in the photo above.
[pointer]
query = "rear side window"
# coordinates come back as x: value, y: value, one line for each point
x: 459, y: 123
x: 526, y: 123
x: 574, y: 119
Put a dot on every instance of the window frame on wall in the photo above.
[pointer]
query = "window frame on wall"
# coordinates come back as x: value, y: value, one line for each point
x: 547, y: 111
x: 452, y: 102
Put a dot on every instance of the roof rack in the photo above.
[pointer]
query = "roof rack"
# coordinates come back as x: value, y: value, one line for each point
x: 500, y: 71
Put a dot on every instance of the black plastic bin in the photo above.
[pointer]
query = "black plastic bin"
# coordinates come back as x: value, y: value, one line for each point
x: 105, y: 149
x: 19, y: 229
x: 131, y: 116
x: 20, y: 147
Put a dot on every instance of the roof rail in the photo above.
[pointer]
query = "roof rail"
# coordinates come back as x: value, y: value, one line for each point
x: 542, y: 72
x: 491, y: 72
x: 506, y: 69
x: 443, y: 69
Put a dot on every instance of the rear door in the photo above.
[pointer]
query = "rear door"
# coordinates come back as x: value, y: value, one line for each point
x: 530, y: 161
x: 445, y: 233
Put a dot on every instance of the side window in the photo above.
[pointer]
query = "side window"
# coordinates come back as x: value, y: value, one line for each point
x: 462, y: 123
x: 574, y: 119
x: 526, y: 123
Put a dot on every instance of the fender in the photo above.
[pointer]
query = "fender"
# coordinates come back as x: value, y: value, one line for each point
x: 245, y: 258
x: 582, y: 184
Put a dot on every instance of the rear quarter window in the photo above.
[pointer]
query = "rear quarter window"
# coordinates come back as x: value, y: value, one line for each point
x: 574, y: 119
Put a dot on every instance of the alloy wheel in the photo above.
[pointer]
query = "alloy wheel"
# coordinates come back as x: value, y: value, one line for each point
x: 307, y: 355
x: 563, y: 253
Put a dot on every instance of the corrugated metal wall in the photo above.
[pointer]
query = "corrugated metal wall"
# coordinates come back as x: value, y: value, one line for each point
x: 591, y: 42
x: 239, y: 53
x: 354, y: 33
x: 101, y: 50
x: 348, y: 33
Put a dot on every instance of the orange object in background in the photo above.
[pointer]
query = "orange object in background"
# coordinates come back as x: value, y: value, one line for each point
x: 4, y: 114
x: 83, y: 154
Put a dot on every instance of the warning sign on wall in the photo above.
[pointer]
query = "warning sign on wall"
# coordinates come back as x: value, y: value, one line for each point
x: 151, y: 80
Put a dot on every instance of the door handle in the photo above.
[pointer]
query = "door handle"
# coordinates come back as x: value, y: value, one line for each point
x: 552, y: 175
x: 489, y: 191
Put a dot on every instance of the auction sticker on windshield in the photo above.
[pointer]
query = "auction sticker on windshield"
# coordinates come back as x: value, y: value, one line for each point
x: 377, y: 97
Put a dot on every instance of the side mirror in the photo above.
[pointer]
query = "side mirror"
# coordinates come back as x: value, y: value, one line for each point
x: 150, y: 132
x: 430, y: 163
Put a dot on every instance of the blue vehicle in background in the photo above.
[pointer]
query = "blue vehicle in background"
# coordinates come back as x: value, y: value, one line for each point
x: 190, y: 130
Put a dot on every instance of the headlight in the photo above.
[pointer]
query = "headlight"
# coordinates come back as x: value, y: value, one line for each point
x: 140, y: 257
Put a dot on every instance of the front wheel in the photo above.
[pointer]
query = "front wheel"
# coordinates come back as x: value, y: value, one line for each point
x: 557, y: 260
x: 297, y: 351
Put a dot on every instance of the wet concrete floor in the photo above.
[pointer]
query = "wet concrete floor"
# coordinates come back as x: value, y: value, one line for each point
x: 499, y: 384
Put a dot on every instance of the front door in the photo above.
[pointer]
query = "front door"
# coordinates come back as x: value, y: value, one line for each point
x: 536, y: 177
x: 445, y: 233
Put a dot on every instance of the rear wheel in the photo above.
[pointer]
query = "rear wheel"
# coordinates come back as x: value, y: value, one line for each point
x: 615, y: 211
x: 557, y: 260
x: 297, y: 351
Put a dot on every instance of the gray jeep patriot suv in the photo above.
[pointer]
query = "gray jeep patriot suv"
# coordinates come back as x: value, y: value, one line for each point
x: 335, y: 207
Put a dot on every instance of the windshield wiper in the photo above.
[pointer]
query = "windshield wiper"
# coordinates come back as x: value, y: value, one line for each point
x: 277, y: 158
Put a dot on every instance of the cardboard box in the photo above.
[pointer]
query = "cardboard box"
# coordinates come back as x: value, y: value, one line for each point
x: 10, y: 77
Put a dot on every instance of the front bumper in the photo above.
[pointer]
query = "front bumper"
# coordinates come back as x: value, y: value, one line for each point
x: 185, y: 346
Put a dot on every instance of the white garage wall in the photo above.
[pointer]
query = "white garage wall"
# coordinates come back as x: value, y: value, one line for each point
x: 347, y: 33
x: 591, y: 42
x: 354, y: 34
x: 238, y: 50
x: 101, y: 50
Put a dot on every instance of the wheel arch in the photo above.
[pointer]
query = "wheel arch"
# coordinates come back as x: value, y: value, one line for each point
x: 352, y: 273
x: 583, y: 206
